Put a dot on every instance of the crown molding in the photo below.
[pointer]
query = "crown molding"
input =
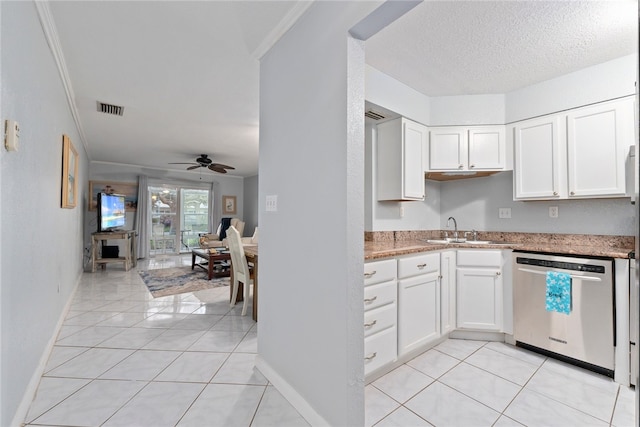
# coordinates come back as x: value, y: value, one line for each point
x: 283, y: 26
x: 51, y: 34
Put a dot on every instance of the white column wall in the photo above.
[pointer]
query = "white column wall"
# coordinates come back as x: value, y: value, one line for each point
x: 311, y: 249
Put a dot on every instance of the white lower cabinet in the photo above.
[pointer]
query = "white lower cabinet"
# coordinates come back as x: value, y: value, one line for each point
x: 479, y: 290
x: 418, y: 301
x: 380, y: 314
x: 419, y: 317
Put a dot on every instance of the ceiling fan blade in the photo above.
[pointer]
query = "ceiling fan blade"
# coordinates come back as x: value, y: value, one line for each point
x: 217, y: 169
x: 220, y: 165
x: 193, y: 167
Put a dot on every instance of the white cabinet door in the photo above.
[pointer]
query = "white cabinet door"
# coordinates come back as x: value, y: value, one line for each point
x: 479, y: 293
x: 400, y: 172
x: 537, y: 159
x: 415, y: 136
x: 487, y: 148
x: 447, y: 149
x: 447, y: 292
x: 418, y: 311
x: 598, y: 139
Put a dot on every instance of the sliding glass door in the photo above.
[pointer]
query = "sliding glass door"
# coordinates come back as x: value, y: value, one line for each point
x: 177, y: 216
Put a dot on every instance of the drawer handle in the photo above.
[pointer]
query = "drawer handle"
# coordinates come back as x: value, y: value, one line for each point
x: 421, y: 265
x: 370, y: 324
x: 368, y: 300
x: 369, y: 275
x: 375, y: 353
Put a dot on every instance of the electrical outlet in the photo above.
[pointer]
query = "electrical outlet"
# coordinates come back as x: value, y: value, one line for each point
x: 504, y: 213
x: 553, y: 212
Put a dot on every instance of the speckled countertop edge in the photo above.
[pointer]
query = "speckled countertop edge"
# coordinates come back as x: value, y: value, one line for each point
x: 395, y: 243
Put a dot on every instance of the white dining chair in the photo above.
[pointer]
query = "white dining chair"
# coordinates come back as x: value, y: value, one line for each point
x: 241, y: 272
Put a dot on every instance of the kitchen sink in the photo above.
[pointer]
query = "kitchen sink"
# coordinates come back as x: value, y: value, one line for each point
x: 467, y: 242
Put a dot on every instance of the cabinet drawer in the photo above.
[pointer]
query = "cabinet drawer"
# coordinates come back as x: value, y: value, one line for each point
x: 379, y: 319
x: 380, y: 294
x: 419, y: 264
x: 481, y: 258
x: 379, y: 271
x: 380, y: 349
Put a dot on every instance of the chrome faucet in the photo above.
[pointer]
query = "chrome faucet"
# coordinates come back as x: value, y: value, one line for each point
x: 455, y: 227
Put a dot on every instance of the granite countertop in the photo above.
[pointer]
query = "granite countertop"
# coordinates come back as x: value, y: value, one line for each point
x: 404, y: 243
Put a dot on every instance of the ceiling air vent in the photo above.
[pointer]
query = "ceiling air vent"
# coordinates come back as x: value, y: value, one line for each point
x: 116, y: 110
x: 374, y: 115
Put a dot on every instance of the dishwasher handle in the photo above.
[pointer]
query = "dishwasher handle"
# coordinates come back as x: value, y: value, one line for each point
x: 544, y: 273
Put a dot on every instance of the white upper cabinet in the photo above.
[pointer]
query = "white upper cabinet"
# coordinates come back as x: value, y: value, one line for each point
x: 459, y: 148
x: 598, y: 139
x: 576, y: 154
x: 400, y: 150
x: 537, y: 158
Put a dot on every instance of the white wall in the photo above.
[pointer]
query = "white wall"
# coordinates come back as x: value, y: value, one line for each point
x: 477, y: 200
x: 311, y: 250
x: 41, y: 243
x: 600, y: 82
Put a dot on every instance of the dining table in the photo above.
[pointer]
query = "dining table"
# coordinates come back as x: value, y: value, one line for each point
x: 251, y: 253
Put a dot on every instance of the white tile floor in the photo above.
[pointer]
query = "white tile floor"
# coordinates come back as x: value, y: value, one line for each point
x: 478, y: 383
x: 125, y: 358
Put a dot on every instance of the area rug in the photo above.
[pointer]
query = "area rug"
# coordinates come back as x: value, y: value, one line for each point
x: 178, y: 280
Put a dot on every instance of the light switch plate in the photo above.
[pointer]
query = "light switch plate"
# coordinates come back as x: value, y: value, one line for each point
x: 272, y: 203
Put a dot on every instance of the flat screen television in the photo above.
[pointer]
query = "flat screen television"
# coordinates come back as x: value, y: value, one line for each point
x: 111, y: 210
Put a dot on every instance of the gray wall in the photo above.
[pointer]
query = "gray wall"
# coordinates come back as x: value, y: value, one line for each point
x: 41, y: 243
x: 475, y: 202
x: 250, y: 204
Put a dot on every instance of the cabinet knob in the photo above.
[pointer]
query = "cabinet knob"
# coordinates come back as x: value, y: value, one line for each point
x: 555, y: 193
x: 372, y: 299
x: 369, y: 275
x: 572, y: 193
x: 472, y: 166
x: 375, y: 353
x: 460, y: 166
x: 370, y: 324
x: 498, y: 273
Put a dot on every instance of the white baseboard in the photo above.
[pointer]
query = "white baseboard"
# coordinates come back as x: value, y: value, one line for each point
x: 290, y: 393
x: 32, y: 387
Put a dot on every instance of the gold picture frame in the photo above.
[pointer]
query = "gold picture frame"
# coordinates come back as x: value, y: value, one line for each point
x: 229, y: 205
x: 69, y: 188
x: 128, y: 189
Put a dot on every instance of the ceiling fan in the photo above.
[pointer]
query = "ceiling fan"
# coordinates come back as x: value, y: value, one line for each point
x: 205, y: 162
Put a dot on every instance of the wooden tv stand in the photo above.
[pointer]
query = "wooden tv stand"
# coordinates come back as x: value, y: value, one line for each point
x: 130, y: 257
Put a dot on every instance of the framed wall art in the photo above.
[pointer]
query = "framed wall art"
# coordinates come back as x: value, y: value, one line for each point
x: 128, y: 189
x: 69, y: 174
x: 229, y: 205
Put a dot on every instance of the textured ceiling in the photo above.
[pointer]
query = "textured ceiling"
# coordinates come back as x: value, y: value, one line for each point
x: 481, y: 47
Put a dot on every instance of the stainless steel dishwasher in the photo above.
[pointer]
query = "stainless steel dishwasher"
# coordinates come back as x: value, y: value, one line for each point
x: 586, y: 335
